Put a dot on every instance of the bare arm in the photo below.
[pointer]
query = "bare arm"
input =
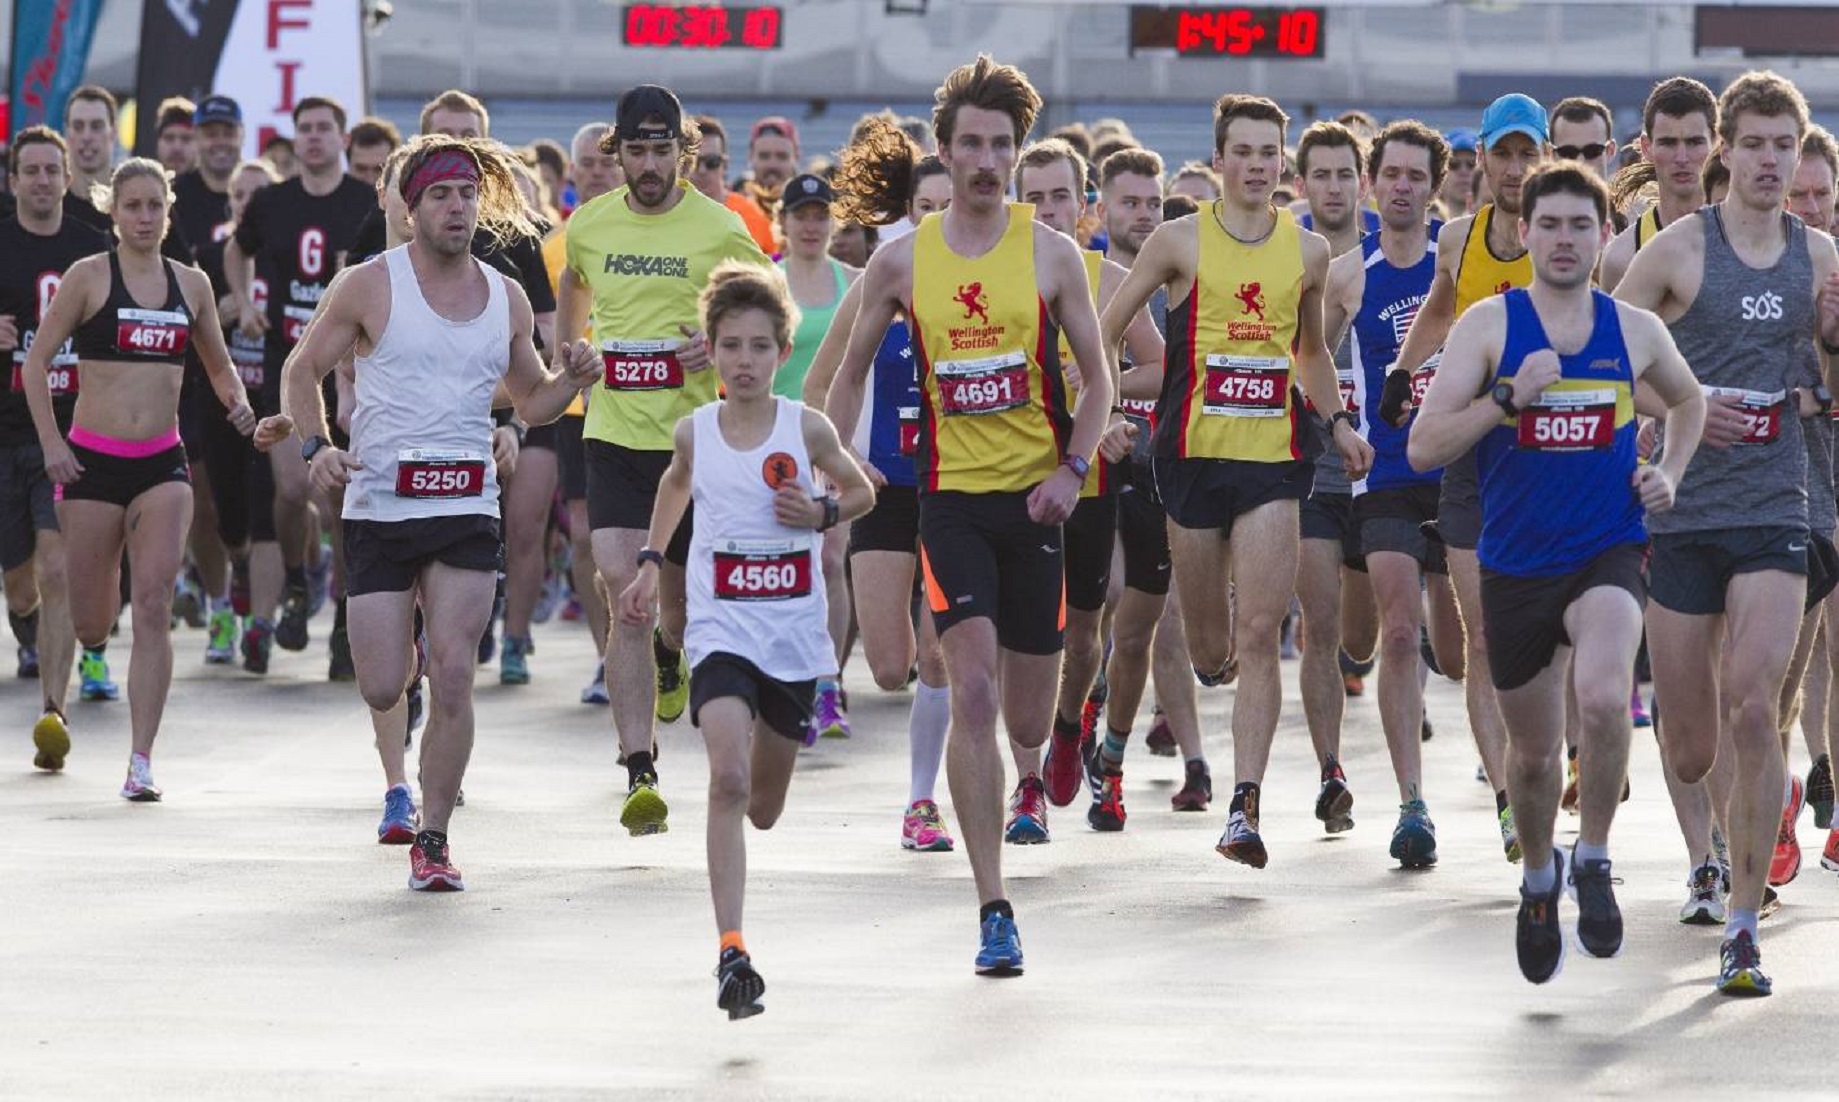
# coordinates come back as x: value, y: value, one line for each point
x: 1315, y: 368
x: 638, y: 604
x: 1073, y: 309
x: 1342, y: 300
x: 1669, y: 378
x: 1648, y: 279
x: 573, y: 304
x: 538, y: 395
x: 207, y: 333
x: 336, y: 327
x: 239, y: 273
x: 881, y: 285
x: 1161, y: 262
x: 854, y: 494
x: 1452, y: 418
x: 1615, y: 260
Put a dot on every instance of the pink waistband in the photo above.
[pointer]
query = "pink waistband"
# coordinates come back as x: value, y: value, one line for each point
x: 124, y: 449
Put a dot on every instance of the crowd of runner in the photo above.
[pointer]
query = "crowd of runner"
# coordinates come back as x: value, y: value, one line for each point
x: 1048, y: 430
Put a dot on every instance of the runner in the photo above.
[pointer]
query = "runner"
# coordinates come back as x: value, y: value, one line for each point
x: 1146, y: 632
x: 1678, y: 125
x: 999, y: 459
x: 1477, y: 257
x: 1458, y: 190
x: 1583, y: 130
x: 637, y: 260
x: 710, y: 175
x: 36, y: 248
x: 1563, y: 539
x: 818, y: 286
x: 437, y: 333
x: 1229, y: 449
x: 884, y: 544
x: 175, y: 143
x: 1195, y: 180
x: 122, y: 476
x: 202, y: 196
x: 1743, y: 285
x: 756, y: 627
x: 772, y: 159
x: 1377, y: 289
x: 301, y: 230
x: 368, y: 146
x: 1051, y: 177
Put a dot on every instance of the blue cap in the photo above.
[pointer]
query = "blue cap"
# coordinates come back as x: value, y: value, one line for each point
x: 218, y: 109
x: 1513, y: 113
x: 1461, y: 140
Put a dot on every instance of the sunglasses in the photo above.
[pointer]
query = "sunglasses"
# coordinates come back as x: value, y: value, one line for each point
x: 709, y: 162
x: 1581, y: 152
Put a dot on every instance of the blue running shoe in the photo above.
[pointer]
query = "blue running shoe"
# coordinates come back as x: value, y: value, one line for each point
x: 94, y: 668
x: 1027, y: 825
x: 1001, y: 952
x: 1414, y: 840
x: 399, y: 819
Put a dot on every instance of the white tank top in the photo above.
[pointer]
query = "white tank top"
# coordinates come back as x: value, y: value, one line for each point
x: 423, y: 422
x: 756, y: 587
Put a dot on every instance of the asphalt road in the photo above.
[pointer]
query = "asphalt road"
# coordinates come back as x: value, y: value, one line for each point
x: 247, y: 937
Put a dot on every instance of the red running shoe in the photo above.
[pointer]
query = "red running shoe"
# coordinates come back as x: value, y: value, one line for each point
x: 1065, y: 767
x: 430, y: 869
x: 1786, y: 864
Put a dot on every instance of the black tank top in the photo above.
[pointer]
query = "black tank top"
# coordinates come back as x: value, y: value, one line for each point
x: 125, y: 330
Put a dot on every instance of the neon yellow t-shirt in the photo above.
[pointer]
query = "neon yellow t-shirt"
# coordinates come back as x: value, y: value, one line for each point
x: 645, y: 272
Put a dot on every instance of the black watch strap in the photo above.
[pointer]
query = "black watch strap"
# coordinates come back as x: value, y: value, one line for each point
x: 312, y: 447
x: 647, y: 555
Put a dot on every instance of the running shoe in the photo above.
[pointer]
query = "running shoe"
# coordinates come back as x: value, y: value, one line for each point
x: 1161, y: 740
x: 1568, y: 802
x: 139, y: 786
x: 258, y: 644
x: 673, y: 688
x: 737, y: 986
x: 1829, y: 858
x: 1537, y: 940
x: 644, y: 811
x: 1286, y: 644
x: 431, y: 867
x: 513, y: 663
x: 239, y: 587
x: 51, y: 738
x: 1637, y: 712
x: 28, y: 662
x: 828, y: 718
x: 1425, y: 731
x: 1353, y: 684
x: 572, y: 611
x: 1771, y: 902
x: 1414, y: 839
x: 596, y: 691
x: 1704, y: 904
x: 1240, y: 841
x: 399, y: 818
x: 1064, y: 766
x: 1000, y: 953
x: 1599, y: 920
x: 922, y: 829
x: 1785, y: 865
x: 1107, y: 812
x: 549, y: 599
x: 1092, y: 764
x: 1510, y: 836
x: 1820, y: 791
x: 1027, y: 825
x: 1334, y: 804
x: 291, y: 628
x: 1088, y: 719
x: 339, y: 666
x: 187, y: 602
x: 220, y: 648
x: 1196, y: 789
x: 93, y: 668
x: 1720, y: 850
x: 1740, y: 967
x: 1227, y: 675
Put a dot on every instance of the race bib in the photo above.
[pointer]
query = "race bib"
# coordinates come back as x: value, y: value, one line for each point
x: 151, y: 332
x: 774, y: 570
x: 1569, y: 420
x: 992, y: 384
x: 248, y: 356
x: 439, y: 473
x: 1247, y: 386
x: 294, y: 322
x: 641, y: 365
x: 62, y: 377
x: 1762, y: 412
x: 909, y: 429
x: 1421, y: 378
x: 1345, y: 379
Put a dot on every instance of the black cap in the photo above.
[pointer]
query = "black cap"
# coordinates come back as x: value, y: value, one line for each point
x: 218, y: 109
x: 648, y: 101
x: 806, y: 188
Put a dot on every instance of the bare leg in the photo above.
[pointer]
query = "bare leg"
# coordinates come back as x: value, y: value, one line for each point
x: 157, y: 522
x: 1318, y: 585
x: 1478, y: 685
x: 456, y: 604
x: 527, y: 498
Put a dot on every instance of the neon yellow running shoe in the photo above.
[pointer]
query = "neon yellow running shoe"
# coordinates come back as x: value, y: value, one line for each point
x: 644, y: 811
x: 52, y: 738
x: 673, y: 686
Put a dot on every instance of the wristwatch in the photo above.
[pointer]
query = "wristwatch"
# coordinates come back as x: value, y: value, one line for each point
x: 1078, y: 464
x: 311, y: 448
x: 1824, y: 397
x: 1503, y: 397
x: 647, y: 555
x: 1343, y: 415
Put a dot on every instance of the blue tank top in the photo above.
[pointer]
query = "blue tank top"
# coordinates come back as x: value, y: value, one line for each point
x: 892, y: 417
x: 1369, y: 220
x: 1390, y: 300
x: 1557, y: 480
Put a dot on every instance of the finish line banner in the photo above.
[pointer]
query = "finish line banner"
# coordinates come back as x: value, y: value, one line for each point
x: 50, y: 49
x: 267, y: 55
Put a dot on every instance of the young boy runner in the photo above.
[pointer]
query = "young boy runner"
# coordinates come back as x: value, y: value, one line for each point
x: 755, y: 631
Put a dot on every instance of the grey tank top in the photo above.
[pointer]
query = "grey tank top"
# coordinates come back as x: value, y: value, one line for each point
x: 1330, y: 473
x: 1747, y: 331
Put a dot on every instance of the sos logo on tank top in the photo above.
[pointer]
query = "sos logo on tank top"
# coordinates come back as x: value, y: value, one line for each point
x: 62, y: 374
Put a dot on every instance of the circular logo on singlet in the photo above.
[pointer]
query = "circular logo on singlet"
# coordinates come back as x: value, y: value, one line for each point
x: 779, y: 469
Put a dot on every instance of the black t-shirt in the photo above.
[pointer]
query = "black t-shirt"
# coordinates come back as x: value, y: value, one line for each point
x: 30, y: 267
x: 248, y: 354
x: 303, y: 239
x: 202, y: 215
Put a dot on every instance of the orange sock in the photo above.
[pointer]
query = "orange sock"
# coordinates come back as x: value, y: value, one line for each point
x: 731, y: 939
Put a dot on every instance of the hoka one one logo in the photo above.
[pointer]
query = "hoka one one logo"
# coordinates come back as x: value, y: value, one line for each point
x: 971, y: 297
x: 1251, y: 298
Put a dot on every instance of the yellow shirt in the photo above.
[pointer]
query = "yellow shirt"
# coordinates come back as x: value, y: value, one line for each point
x: 1648, y: 226
x: 646, y: 272
x: 1479, y: 273
x: 993, y: 414
x: 1097, y: 479
x: 555, y: 256
x: 1230, y: 388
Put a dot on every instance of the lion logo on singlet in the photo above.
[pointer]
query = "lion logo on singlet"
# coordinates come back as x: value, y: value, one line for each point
x: 1503, y: 287
x: 1251, y: 299
x: 971, y: 297
x: 779, y: 469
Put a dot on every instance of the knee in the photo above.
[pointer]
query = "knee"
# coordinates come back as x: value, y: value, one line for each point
x: 1755, y: 710
x: 1602, y: 709
x: 450, y: 677
x: 1133, y: 642
x: 1398, y: 637
x: 52, y: 580
x: 888, y: 673
x: 728, y: 786
x: 974, y: 702
x: 1255, y: 628
x: 153, y: 604
x: 763, y: 818
x: 1689, y: 761
x: 932, y: 666
x: 380, y: 694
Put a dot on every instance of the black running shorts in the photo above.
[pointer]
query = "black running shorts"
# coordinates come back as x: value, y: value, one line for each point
x: 1524, y: 617
x: 785, y: 706
x: 983, y: 556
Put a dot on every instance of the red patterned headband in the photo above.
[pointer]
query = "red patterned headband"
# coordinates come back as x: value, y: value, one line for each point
x: 448, y: 164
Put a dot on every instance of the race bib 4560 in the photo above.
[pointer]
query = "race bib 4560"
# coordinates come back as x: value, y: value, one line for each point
x: 762, y: 571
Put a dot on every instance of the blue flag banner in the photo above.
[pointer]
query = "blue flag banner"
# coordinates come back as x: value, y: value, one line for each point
x: 50, y: 49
